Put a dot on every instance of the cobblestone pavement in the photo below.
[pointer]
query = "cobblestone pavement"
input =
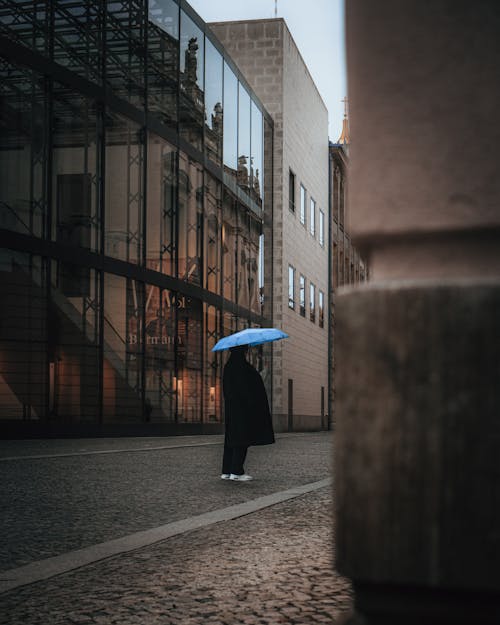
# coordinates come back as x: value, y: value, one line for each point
x: 270, y: 567
x: 50, y: 506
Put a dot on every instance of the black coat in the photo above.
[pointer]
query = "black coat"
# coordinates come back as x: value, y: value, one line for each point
x: 247, y: 414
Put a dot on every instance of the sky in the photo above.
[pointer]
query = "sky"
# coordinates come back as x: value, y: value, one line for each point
x: 317, y: 29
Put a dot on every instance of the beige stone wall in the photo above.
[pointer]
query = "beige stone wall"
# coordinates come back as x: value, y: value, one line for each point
x: 270, y: 61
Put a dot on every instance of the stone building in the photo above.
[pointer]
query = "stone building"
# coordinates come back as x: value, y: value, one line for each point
x: 266, y: 53
x: 346, y: 265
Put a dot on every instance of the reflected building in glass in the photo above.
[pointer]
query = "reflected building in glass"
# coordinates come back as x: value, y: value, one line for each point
x: 135, y: 216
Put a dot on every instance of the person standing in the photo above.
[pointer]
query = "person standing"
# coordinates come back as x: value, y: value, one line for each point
x: 247, y: 416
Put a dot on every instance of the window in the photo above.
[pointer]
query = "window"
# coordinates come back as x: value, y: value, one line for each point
x: 321, y: 309
x: 302, y: 205
x: 312, y: 219
x: 291, y: 191
x: 291, y: 287
x: 312, y: 302
x: 321, y: 227
x: 302, y: 295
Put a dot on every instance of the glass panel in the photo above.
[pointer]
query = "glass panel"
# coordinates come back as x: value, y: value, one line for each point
x: 302, y: 205
x: 230, y: 139
x: 75, y: 182
x: 23, y: 337
x: 321, y: 309
x: 213, y: 103
x: 188, y: 385
x: 160, y: 332
x: 212, y: 391
x: 75, y: 342
x: 256, y: 167
x: 302, y: 295
x: 267, y: 181
x: 125, y: 45
x: 190, y: 219
x: 124, y: 189
x: 164, y: 14
x: 312, y: 302
x: 123, y: 349
x: 229, y: 242
x: 161, y: 203
x: 78, y: 29
x: 212, y: 234
x: 244, y: 156
x: 163, y: 60
x: 27, y: 23
x: 312, y: 219
x: 321, y: 227
x: 291, y: 287
x: 249, y: 231
x: 191, y: 102
x: 23, y: 157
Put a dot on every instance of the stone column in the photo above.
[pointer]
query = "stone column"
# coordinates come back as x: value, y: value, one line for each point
x: 417, y: 448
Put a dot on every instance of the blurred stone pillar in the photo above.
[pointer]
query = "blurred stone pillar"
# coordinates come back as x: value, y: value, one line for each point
x: 417, y: 451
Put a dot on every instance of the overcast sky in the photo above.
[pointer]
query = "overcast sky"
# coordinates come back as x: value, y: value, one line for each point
x: 317, y: 28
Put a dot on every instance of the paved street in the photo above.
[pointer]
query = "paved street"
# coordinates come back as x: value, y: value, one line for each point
x: 269, y: 563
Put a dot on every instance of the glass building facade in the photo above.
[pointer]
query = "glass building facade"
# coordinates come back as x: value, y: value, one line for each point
x: 135, y: 215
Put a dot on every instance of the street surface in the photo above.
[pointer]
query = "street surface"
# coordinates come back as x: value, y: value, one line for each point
x: 270, y: 563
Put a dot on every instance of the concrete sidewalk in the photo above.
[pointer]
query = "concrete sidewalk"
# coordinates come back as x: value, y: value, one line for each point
x: 64, y: 496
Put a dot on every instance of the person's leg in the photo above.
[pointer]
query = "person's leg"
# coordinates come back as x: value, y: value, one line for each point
x: 227, y: 459
x: 239, y: 455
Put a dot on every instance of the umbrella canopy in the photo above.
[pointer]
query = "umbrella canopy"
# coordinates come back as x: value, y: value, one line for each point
x: 250, y: 336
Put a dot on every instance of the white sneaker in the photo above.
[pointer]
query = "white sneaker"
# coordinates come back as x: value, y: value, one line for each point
x: 225, y: 476
x: 240, y: 478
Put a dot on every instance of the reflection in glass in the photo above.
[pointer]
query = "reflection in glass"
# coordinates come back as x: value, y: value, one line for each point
x: 163, y: 60
x: 302, y: 295
x: 74, y: 340
x: 23, y: 157
x: 230, y: 121
x: 257, y: 155
x: 243, y: 138
x: 188, y: 385
x: 229, y: 230
x: 123, y: 349
x: 191, y: 102
x: 80, y: 54
x: 212, y: 234
x: 23, y: 336
x: 321, y: 309
x: 124, y: 189
x: 212, y: 376
x: 190, y: 219
x: 312, y: 218
x: 125, y: 45
x: 321, y: 233
x: 75, y: 183
x: 249, y: 230
x: 160, y: 331
x: 161, y: 204
x: 291, y: 287
x: 312, y: 302
x: 302, y: 205
x: 213, y: 102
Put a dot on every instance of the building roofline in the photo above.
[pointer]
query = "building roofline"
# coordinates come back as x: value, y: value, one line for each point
x: 277, y: 19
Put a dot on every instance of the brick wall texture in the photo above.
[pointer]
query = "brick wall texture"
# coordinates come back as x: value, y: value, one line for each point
x: 266, y: 54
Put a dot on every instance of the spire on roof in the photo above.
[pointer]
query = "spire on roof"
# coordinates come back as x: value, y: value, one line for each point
x: 344, y: 136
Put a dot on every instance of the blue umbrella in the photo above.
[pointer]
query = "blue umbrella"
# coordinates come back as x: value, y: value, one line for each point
x: 250, y: 336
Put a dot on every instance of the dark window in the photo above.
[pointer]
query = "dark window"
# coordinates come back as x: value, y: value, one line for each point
x: 291, y: 191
